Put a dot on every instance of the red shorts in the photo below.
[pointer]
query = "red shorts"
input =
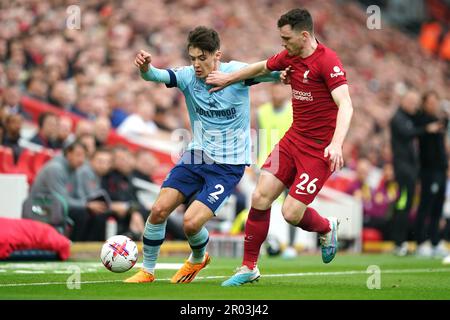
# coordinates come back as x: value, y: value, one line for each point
x: 300, y: 165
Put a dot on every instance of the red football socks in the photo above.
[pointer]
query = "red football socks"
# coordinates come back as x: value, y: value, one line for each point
x: 256, y: 229
x: 314, y: 222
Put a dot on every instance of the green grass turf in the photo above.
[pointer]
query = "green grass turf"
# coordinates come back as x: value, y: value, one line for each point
x: 401, y: 278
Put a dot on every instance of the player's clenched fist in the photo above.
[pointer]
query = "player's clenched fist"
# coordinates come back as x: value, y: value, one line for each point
x: 285, y: 75
x: 143, y: 59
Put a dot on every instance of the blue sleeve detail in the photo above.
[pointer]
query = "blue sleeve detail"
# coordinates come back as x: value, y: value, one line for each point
x: 173, y: 79
x: 156, y: 75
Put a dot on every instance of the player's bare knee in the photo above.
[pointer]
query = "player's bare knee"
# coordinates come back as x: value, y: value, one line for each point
x: 260, y: 200
x: 158, y: 214
x: 191, y: 227
x: 292, y: 216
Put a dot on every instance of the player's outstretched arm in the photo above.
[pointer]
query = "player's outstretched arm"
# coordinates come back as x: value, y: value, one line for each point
x: 342, y: 99
x: 283, y: 76
x: 274, y: 76
x: 148, y: 72
x: 220, y: 80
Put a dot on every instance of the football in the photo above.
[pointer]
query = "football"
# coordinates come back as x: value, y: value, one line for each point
x: 119, y: 254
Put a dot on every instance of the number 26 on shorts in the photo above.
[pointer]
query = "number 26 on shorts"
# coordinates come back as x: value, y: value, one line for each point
x: 310, y: 186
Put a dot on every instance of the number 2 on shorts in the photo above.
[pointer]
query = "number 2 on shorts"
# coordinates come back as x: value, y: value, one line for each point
x: 215, y: 194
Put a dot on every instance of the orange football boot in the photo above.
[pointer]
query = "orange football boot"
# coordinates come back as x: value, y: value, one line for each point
x: 141, y: 277
x: 189, y: 270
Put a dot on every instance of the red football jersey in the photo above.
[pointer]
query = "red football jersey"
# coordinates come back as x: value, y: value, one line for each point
x: 313, y: 79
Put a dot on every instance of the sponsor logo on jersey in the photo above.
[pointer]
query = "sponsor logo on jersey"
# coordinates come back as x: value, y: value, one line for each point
x: 229, y: 113
x: 302, y: 95
x: 337, y: 72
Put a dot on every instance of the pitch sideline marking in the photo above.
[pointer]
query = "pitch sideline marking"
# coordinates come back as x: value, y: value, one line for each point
x: 301, y: 274
x: 84, y: 266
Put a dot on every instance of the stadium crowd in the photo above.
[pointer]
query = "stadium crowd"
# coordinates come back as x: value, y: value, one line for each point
x: 88, y: 70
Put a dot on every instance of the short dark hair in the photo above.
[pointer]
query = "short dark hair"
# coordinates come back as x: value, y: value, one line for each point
x: 71, y: 146
x: 101, y: 150
x: 206, y: 39
x: 298, y: 19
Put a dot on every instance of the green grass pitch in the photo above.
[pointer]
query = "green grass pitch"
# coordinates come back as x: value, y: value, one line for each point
x: 305, y: 277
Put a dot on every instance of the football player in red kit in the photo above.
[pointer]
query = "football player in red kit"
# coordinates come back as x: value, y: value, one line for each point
x: 309, y: 151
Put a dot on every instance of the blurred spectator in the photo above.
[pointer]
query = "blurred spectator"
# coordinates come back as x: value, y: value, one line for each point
x: 102, y: 126
x: 89, y: 177
x: 384, y: 198
x: 64, y: 131
x: 118, y: 115
x: 84, y: 127
x: 63, y: 96
x: 82, y: 108
x: 360, y: 188
x: 170, y: 110
x: 11, y: 136
x: 388, y: 188
x: 146, y: 164
x: 375, y: 201
x: 11, y: 102
x: 37, y: 89
x: 89, y: 188
x: 13, y: 73
x: 47, y: 136
x: 130, y: 213
x: 58, y: 177
x: 139, y: 124
x: 88, y: 140
x: 275, y: 118
x: 406, y: 166
x: 100, y: 108
x: 433, y: 177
